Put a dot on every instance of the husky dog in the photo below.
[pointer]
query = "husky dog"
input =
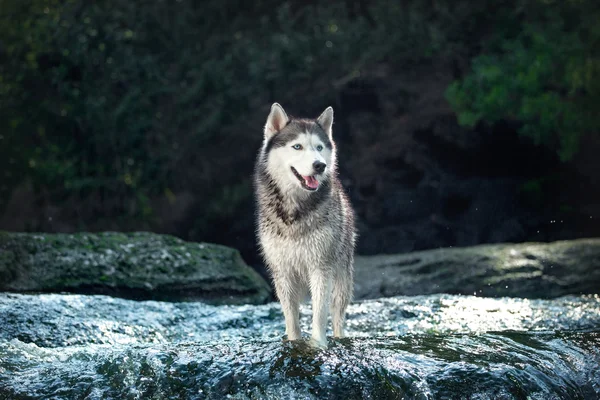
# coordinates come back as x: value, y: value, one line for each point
x: 305, y: 221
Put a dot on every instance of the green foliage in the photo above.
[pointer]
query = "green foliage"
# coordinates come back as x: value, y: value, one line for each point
x: 110, y: 104
x: 547, y: 77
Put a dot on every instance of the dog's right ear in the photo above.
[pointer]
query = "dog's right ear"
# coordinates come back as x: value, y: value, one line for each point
x: 276, y: 120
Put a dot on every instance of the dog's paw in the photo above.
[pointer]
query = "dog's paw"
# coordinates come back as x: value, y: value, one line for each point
x: 319, y: 343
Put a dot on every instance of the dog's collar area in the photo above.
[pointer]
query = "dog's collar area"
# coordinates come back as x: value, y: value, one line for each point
x: 303, y: 181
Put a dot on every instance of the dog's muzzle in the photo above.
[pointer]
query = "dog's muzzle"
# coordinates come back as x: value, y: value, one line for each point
x: 308, y: 182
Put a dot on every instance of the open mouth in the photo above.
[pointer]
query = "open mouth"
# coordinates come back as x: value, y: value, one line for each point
x: 308, y: 182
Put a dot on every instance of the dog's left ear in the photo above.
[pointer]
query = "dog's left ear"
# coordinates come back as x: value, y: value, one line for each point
x: 326, y: 120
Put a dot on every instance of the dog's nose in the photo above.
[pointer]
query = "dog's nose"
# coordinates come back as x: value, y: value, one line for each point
x: 319, y: 167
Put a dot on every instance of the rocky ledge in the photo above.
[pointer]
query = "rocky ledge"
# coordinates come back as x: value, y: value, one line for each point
x: 530, y: 270
x: 147, y: 266
x: 132, y: 265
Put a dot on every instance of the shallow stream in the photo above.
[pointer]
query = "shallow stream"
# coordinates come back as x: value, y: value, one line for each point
x: 422, y: 347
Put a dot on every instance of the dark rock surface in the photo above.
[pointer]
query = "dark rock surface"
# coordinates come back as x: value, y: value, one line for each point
x: 531, y: 270
x: 135, y: 265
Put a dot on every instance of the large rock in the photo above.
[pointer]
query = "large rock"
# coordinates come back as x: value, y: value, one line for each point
x: 532, y: 270
x: 134, y: 265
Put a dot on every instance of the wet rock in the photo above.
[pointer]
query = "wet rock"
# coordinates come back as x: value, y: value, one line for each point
x: 424, y: 347
x: 531, y: 270
x: 133, y: 265
x: 490, y: 366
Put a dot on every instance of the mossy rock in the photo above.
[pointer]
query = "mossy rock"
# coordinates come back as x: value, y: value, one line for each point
x: 530, y: 270
x: 137, y: 265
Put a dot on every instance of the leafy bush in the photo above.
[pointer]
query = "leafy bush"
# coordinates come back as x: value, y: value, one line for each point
x: 112, y: 103
x: 108, y: 105
x: 547, y: 77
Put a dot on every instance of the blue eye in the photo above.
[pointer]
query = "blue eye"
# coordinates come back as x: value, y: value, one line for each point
x: 297, y: 147
x: 319, y: 148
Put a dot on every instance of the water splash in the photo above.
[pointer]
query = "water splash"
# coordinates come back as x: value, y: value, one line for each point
x: 442, y: 346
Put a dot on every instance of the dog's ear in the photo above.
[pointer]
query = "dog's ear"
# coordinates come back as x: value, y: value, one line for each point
x: 326, y: 120
x: 276, y: 120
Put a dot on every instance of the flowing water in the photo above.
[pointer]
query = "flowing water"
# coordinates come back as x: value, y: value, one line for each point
x: 424, y: 347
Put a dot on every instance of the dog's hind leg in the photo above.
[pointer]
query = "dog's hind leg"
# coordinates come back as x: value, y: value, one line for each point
x: 341, y: 296
x: 289, y: 297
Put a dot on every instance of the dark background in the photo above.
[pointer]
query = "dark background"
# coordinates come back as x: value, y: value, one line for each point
x: 457, y: 122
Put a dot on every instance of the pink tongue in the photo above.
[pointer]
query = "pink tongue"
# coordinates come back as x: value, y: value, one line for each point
x: 311, y: 182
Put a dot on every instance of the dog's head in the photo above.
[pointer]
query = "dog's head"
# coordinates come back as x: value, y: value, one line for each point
x: 300, y: 152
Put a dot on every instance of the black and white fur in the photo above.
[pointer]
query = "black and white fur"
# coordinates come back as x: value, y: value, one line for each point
x: 306, y: 233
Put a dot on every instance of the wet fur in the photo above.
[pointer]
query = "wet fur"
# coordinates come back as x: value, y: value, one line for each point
x: 306, y: 238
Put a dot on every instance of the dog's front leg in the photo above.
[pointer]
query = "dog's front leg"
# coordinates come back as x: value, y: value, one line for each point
x: 320, y: 288
x: 287, y: 292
